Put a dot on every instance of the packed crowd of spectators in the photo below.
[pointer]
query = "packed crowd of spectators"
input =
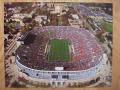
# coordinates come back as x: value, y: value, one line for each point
x: 87, y: 52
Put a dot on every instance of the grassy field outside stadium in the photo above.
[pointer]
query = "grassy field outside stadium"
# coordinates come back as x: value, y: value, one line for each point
x: 59, y: 50
x: 107, y: 26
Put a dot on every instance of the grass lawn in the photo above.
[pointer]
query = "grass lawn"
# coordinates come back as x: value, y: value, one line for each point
x: 59, y: 50
x: 107, y: 26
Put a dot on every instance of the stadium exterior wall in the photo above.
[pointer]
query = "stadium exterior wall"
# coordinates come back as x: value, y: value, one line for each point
x: 81, y: 76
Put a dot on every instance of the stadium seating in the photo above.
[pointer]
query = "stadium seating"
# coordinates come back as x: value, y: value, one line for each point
x: 86, y: 54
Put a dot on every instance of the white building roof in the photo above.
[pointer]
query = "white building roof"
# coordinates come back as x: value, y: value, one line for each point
x: 75, y: 16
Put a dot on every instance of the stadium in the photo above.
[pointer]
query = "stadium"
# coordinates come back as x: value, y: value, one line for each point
x: 61, y: 55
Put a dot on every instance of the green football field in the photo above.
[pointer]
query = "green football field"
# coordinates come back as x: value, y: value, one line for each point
x: 59, y: 50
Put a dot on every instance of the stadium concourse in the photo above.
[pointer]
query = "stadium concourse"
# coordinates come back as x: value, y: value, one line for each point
x: 87, y: 57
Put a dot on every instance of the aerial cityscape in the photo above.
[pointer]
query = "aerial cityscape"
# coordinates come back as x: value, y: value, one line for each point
x: 58, y: 44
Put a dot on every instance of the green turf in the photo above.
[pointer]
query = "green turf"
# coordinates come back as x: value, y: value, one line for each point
x: 59, y: 50
x: 107, y: 26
